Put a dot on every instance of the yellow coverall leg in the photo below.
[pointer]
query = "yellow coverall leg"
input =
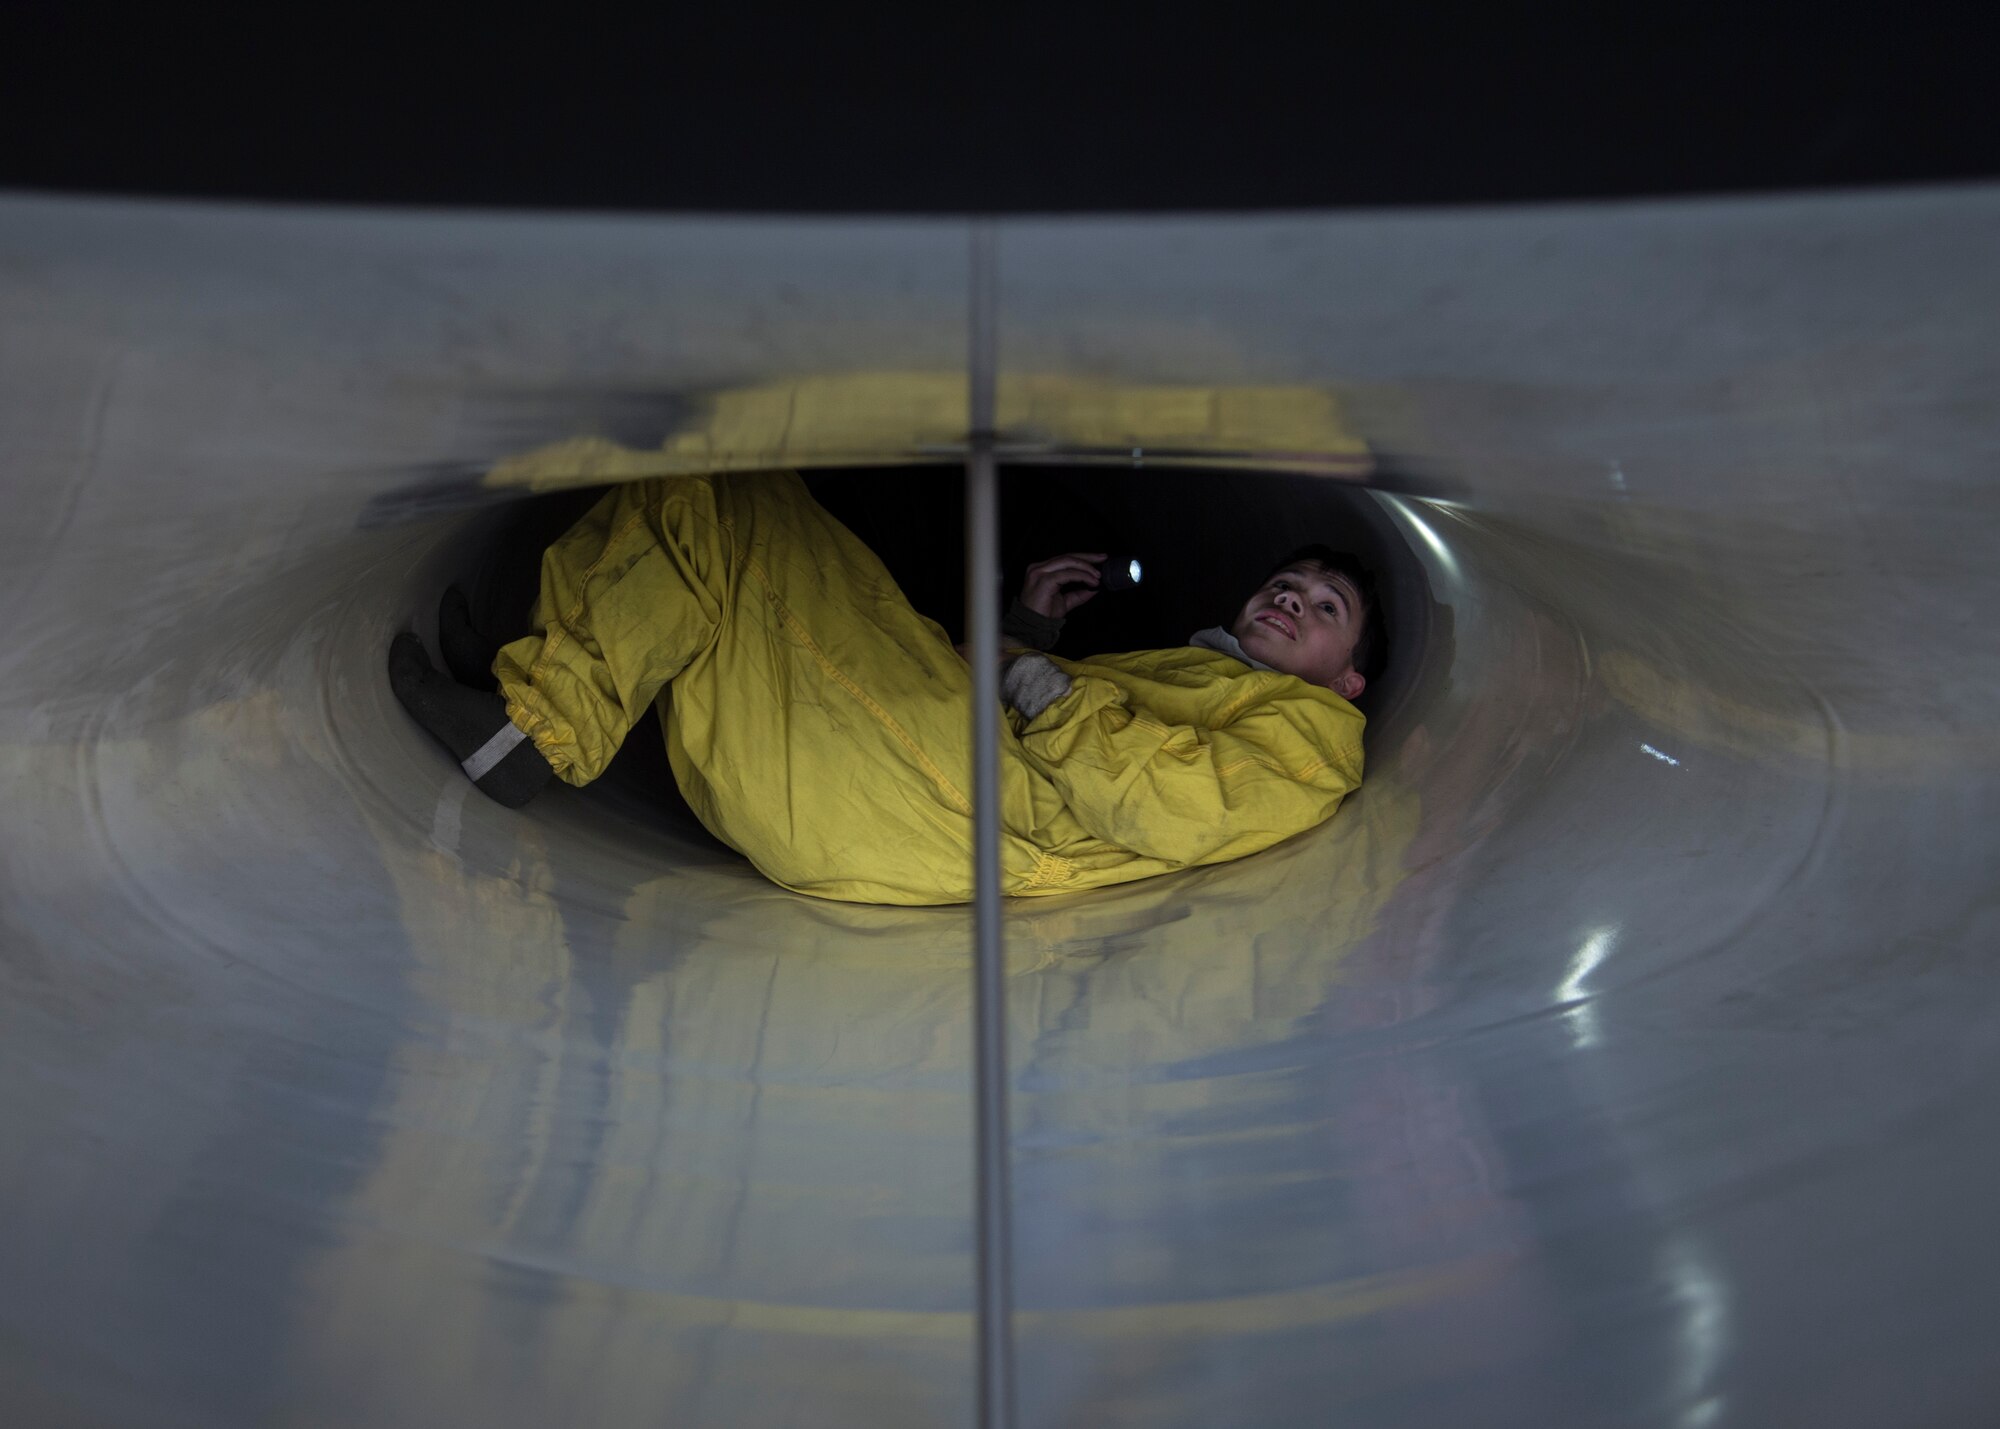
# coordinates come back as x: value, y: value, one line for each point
x: 814, y: 720
x: 629, y: 595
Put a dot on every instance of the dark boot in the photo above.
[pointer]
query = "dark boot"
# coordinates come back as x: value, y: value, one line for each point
x: 472, y: 724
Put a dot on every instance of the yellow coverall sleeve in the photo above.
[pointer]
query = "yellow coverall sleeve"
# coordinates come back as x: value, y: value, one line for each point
x: 1186, y: 794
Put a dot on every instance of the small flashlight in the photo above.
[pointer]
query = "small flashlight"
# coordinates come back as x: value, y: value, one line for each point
x: 1118, y: 573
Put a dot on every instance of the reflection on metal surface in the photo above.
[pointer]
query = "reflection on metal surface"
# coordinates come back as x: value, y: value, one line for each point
x: 1574, y: 993
x: 1549, y: 1083
x: 1704, y: 1305
x: 1447, y: 563
x: 862, y: 418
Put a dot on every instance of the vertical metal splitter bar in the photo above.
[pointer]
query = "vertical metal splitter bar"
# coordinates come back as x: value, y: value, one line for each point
x: 993, y: 1197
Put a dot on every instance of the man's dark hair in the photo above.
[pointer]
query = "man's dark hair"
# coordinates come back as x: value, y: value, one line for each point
x: 1371, y: 647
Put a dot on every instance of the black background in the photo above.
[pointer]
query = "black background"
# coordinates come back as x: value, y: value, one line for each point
x: 858, y: 110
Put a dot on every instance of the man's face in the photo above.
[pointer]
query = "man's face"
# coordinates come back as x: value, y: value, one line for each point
x: 1304, y: 620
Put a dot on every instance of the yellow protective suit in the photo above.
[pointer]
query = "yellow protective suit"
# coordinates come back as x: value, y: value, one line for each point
x: 817, y: 723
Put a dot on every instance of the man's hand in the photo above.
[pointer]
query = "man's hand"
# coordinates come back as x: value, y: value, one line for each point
x: 1060, y: 584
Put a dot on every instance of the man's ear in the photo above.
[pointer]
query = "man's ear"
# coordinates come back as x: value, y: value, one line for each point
x: 1348, y: 684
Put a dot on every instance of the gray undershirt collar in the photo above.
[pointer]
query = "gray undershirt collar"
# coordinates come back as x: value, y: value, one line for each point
x: 1216, y: 638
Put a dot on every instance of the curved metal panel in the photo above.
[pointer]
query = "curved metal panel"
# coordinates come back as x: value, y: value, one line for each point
x: 1622, y: 1053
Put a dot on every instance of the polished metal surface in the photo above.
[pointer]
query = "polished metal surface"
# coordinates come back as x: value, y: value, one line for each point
x: 1624, y: 1053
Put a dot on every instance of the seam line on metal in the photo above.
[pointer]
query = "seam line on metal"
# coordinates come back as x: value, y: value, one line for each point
x: 992, y: 1230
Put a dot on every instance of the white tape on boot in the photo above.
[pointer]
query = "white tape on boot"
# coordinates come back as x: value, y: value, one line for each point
x: 481, y: 763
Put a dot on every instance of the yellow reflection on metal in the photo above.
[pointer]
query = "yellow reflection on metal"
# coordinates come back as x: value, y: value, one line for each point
x: 1752, y: 722
x: 780, y: 1083
x: 887, y: 416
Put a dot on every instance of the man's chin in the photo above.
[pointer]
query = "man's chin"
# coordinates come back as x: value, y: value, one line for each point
x: 1273, y: 650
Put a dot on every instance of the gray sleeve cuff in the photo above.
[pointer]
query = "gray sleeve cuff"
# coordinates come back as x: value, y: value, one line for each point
x: 1030, y: 628
x: 1031, y: 683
